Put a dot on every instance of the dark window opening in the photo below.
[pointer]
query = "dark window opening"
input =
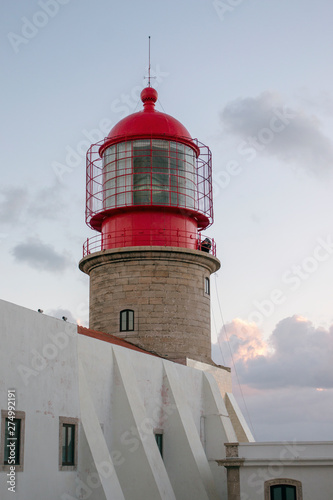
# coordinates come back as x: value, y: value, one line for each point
x: 12, y: 441
x: 159, y: 442
x: 127, y: 320
x: 68, y: 444
x: 283, y: 492
x: 207, y: 286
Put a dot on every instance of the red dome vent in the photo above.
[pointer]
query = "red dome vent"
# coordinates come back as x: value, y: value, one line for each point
x: 149, y: 123
x: 149, y: 94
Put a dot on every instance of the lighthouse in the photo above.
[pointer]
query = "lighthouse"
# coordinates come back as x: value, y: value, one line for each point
x: 149, y: 197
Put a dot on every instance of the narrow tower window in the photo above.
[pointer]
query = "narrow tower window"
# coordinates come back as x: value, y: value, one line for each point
x: 207, y: 286
x: 68, y: 443
x: 159, y: 440
x: 68, y: 447
x: 127, y: 320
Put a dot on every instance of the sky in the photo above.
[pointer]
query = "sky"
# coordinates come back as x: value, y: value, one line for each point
x: 252, y: 79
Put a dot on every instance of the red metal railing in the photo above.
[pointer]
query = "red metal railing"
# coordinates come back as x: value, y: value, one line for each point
x: 121, y: 239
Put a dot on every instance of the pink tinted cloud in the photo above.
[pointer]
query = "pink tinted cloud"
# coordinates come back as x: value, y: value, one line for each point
x: 296, y: 354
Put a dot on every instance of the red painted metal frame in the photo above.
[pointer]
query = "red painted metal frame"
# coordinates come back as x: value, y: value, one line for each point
x: 202, y: 206
x: 123, y: 239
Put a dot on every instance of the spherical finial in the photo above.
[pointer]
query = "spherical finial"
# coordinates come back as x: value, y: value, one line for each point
x: 149, y: 96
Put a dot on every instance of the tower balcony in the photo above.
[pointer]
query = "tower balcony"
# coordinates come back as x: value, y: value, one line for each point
x: 149, y: 237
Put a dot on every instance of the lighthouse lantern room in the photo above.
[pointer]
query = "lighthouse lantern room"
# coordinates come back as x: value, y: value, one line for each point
x: 148, y: 183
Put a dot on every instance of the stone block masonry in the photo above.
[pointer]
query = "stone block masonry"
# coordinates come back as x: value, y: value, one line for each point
x: 165, y: 287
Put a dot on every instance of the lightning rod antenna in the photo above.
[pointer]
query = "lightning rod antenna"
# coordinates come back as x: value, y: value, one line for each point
x: 149, y: 62
x: 149, y: 77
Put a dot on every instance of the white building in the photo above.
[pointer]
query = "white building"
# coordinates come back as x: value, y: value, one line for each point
x: 124, y: 405
x: 118, y: 399
x: 139, y: 411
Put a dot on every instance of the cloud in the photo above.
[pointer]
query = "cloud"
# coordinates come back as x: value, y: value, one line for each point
x: 296, y: 355
x: 286, y: 414
x: 47, y: 202
x: 20, y: 204
x: 12, y: 204
x: 321, y: 102
x: 286, y: 381
x: 266, y: 125
x: 41, y: 256
x: 245, y: 341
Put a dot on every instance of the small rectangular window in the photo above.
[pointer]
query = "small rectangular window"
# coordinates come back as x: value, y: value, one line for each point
x: 127, y: 320
x: 159, y: 442
x: 207, y: 286
x: 12, y: 440
x: 283, y: 492
x: 68, y: 443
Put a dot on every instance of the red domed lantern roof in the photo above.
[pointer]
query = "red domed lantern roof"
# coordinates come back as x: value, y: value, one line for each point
x: 149, y: 123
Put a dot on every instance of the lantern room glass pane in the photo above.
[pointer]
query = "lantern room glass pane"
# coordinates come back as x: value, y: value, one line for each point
x: 164, y: 174
x: 117, y: 175
x: 149, y: 172
x: 160, y: 173
x: 124, y: 173
x: 141, y: 173
x: 109, y: 177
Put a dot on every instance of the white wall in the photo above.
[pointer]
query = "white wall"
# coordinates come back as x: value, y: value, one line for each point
x: 308, y: 462
x: 120, y: 397
x: 147, y: 393
x: 39, y: 361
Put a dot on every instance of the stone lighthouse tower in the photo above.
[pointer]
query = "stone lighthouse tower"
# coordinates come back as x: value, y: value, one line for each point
x: 149, y: 196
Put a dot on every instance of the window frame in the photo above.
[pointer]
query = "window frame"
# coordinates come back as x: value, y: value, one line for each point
x: 66, y: 422
x: 283, y: 482
x: 127, y: 321
x: 19, y: 415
